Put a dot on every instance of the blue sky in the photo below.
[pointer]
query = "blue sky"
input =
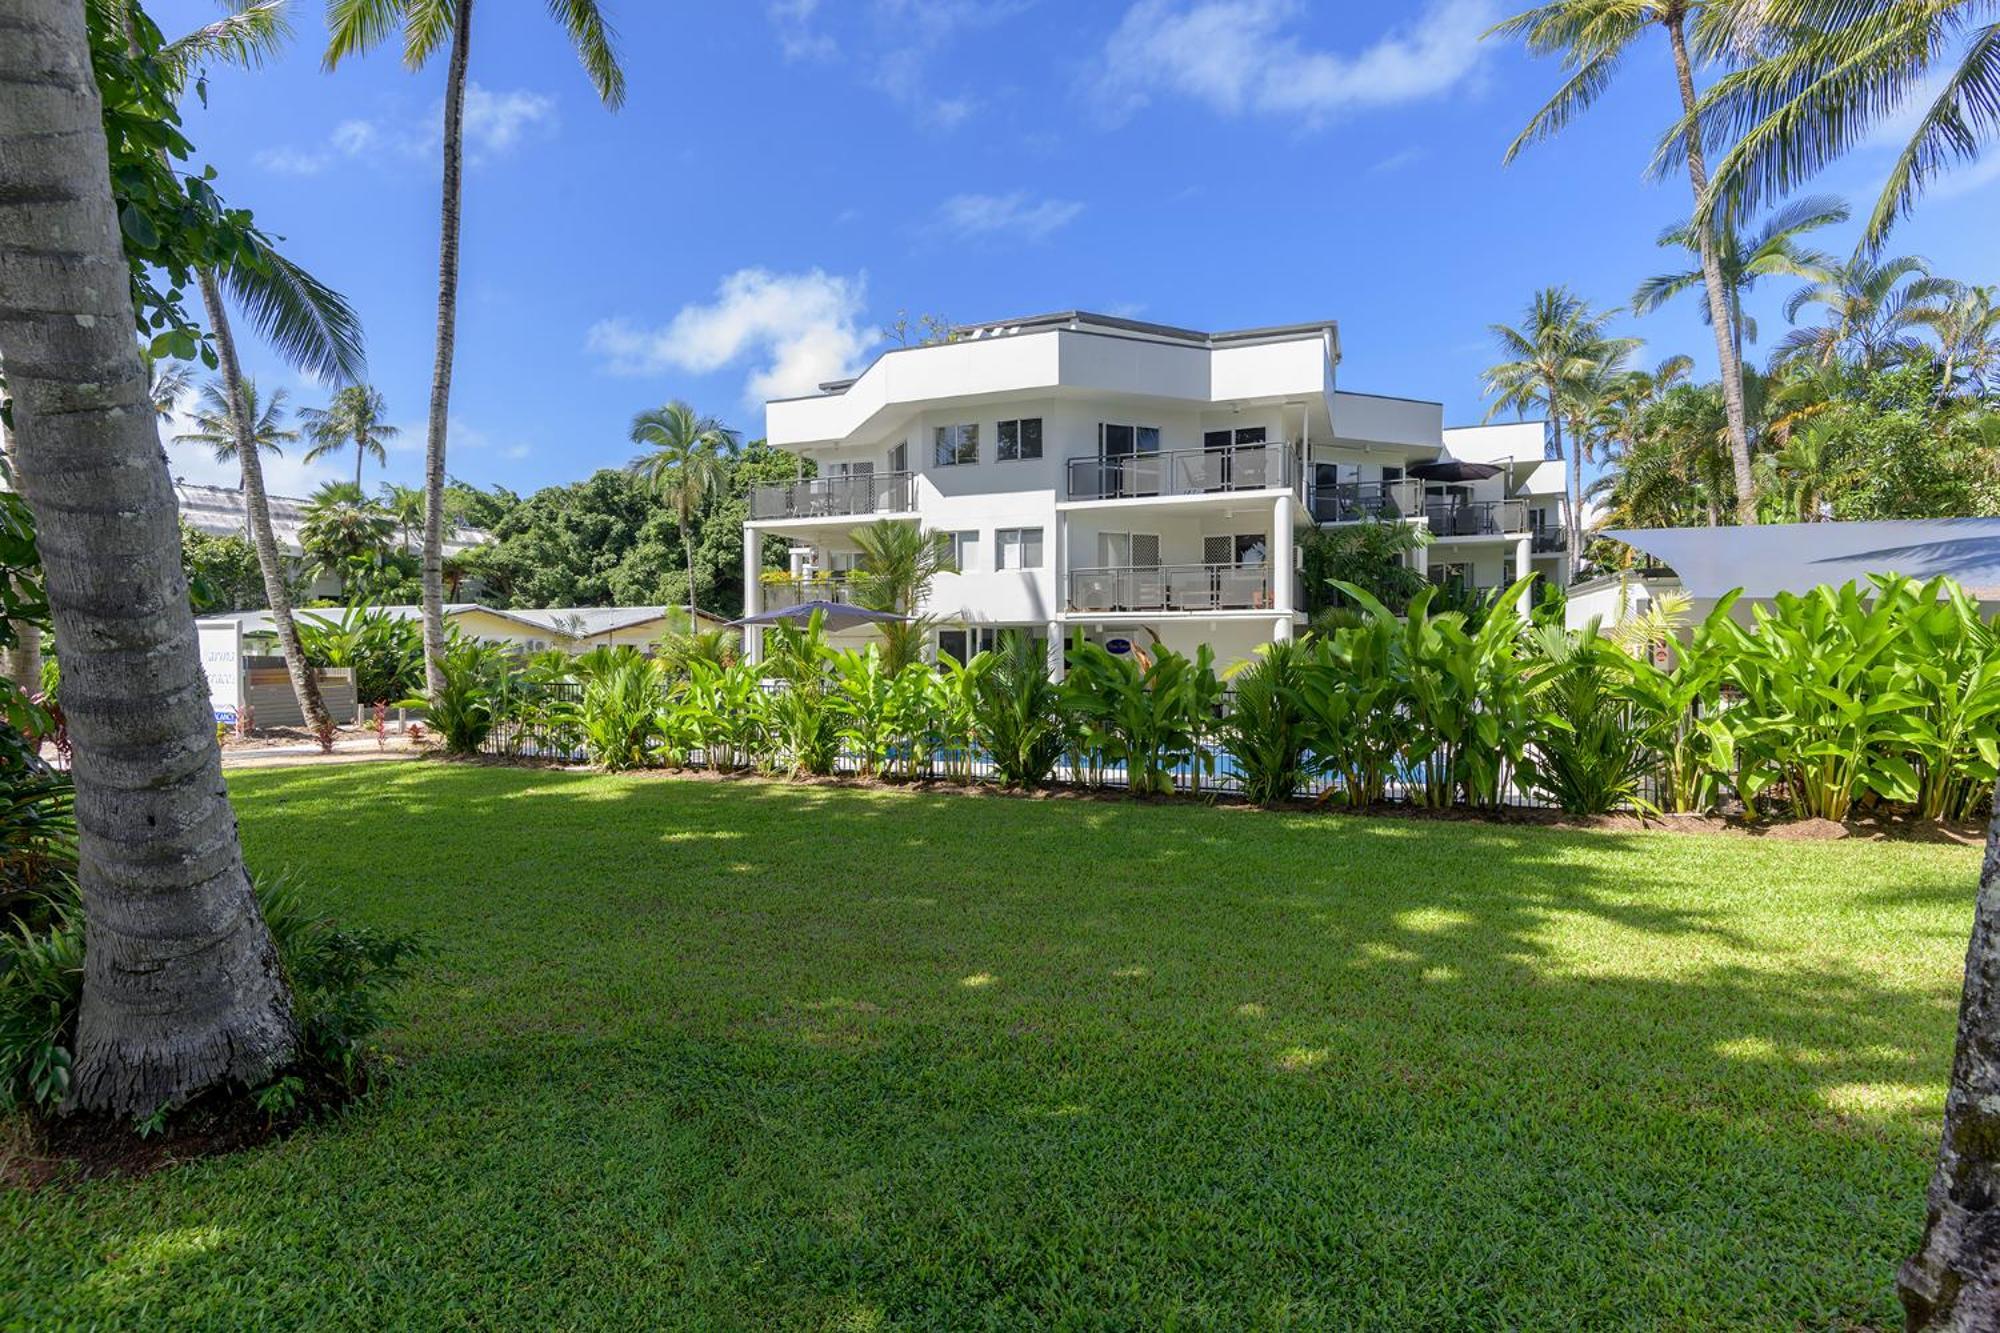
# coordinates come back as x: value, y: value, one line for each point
x: 786, y: 175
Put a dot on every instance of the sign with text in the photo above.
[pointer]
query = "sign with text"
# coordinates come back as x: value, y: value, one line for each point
x: 222, y: 660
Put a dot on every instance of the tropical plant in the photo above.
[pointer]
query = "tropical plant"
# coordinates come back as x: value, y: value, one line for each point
x: 898, y: 562
x: 167, y: 382
x: 684, y: 642
x: 1592, y: 38
x: 472, y: 701
x: 1147, y: 714
x: 1824, y: 710
x: 619, y: 720
x: 1018, y: 717
x: 1351, y: 696
x: 1552, y: 357
x: 385, y: 651
x: 354, y: 419
x: 869, y: 706
x: 686, y: 463
x: 1594, y: 746
x: 1373, y: 554
x: 1268, y: 729
x: 1967, y: 327
x: 799, y: 710
x: 953, y: 712
x: 723, y: 708
x: 355, y: 26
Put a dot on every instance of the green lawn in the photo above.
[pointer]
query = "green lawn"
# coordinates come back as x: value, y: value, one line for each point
x: 747, y: 1055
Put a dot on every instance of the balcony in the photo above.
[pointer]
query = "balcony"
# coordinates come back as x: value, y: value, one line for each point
x: 834, y: 497
x: 1171, y: 588
x: 782, y: 590
x: 1479, y: 518
x: 1549, y: 541
x: 1357, y: 502
x: 1242, y: 467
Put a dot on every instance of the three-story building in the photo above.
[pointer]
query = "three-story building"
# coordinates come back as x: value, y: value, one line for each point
x: 1135, y: 482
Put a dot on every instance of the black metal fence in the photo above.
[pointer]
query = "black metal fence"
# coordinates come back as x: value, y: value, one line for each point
x: 542, y: 723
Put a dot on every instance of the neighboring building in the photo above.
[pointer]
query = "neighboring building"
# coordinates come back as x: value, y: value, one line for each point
x: 573, y: 628
x: 1706, y: 564
x: 1136, y: 482
x: 219, y: 511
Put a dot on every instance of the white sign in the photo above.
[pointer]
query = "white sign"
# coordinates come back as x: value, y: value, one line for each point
x: 222, y: 659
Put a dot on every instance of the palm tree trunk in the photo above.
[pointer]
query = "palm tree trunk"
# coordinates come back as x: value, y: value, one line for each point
x: 359, y: 454
x: 1718, y: 294
x: 1953, y: 1281
x: 182, y: 989
x: 447, y: 332
x: 257, y: 507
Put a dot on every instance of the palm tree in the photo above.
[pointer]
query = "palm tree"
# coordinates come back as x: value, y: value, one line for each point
x: 686, y: 464
x: 1967, y: 327
x: 355, y: 26
x: 342, y: 527
x: 182, y: 990
x: 1825, y: 75
x: 406, y: 505
x: 215, y: 423
x: 1773, y: 250
x: 1553, y: 358
x: 898, y: 562
x: 167, y: 381
x: 306, y: 322
x: 1872, y: 308
x: 1806, y: 470
x: 354, y: 417
x: 1592, y: 37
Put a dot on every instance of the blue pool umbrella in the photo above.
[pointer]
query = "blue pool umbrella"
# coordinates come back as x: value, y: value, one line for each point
x: 835, y: 616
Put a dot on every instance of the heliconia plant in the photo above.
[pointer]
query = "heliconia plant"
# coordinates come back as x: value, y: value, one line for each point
x: 1018, y: 717
x: 1151, y: 718
x: 1268, y: 729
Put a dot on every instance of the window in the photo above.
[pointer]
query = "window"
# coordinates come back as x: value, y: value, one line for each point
x: 1128, y: 550
x: 1123, y: 441
x: 964, y: 550
x: 1226, y: 439
x: 1017, y: 548
x: 899, y: 457
x: 1240, y: 548
x: 957, y: 444
x: 1020, y: 439
x: 961, y: 644
x: 1391, y: 473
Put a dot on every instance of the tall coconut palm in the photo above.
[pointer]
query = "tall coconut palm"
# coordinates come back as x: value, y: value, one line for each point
x: 352, y: 420
x: 1967, y: 327
x: 1821, y: 77
x: 306, y: 322
x: 1592, y: 38
x: 406, y: 505
x: 1552, y: 356
x: 355, y: 26
x: 685, y: 463
x: 1773, y: 250
x: 898, y: 562
x: 1873, y: 309
x: 182, y: 990
x: 215, y: 423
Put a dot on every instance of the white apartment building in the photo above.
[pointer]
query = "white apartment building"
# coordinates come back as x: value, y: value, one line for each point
x: 1135, y: 482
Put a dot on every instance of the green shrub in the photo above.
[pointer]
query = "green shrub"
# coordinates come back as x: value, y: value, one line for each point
x: 1267, y: 730
x: 1151, y: 718
x: 1351, y: 697
x: 473, y: 697
x: 385, y: 652
x: 1017, y: 713
x: 619, y: 718
x: 799, y: 715
x: 1594, y: 743
x: 341, y: 980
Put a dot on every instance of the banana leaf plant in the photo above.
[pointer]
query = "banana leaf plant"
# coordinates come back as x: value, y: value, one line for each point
x: 1150, y: 718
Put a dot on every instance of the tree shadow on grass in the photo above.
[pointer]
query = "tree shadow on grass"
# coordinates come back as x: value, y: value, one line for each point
x: 758, y: 1053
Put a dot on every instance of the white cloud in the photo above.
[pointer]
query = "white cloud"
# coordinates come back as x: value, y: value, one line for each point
x: 495, y: 124
x: 801, y: 328
x: 797, y: 37
x: 1243, y: 57
x: 498, y: 122
x: 977, y: 216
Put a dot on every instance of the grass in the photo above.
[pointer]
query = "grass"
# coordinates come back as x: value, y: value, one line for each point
x: 749, y: 1055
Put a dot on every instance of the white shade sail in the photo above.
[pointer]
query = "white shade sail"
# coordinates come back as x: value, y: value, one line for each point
x: 1792, y: 557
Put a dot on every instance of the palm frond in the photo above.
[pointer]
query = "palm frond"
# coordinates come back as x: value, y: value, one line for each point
x: 596, y: 46
x: 354, y: 27
x: 253, y: 33
x: 308, y: 323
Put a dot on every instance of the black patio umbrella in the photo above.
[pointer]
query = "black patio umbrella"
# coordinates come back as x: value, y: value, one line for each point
x: 1451, y: 469
x: 835, y: 616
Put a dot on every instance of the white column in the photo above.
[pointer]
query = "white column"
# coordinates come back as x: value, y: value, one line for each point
x: 1055, y: 633
x: 1523, y: 565
x: 753, y: 569
x: 1284, y: 578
